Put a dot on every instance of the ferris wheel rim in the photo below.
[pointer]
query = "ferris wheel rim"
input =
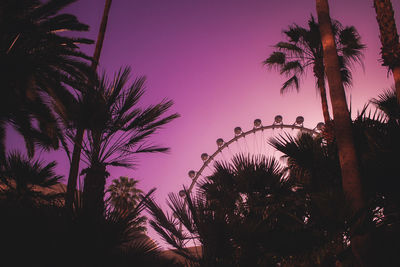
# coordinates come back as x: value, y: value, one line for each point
x: 243, y: 135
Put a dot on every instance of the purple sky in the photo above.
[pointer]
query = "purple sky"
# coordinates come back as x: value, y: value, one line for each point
x: 206, y: 56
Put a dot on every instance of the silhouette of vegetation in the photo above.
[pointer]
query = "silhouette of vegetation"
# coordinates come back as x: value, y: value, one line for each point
x: 253, y: 211
x: 348, y: 158
x: 390, y: 50
x: 124, y: 193
x: 46, y: 80
x: 247, y: 213
x: 45, y: 234
x: 24, y: 180
x: 118, y: 130
x: 334, y: 202
x: 36, y: 62
x: 303, y: 49
x: 79, y: 124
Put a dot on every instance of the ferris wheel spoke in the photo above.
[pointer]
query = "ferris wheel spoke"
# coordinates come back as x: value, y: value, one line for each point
x: 262, y: 147
x: 209, y: 168
x: 247, y: 146
x: 238, y: 147
x: 230, y: 151
x: 223, y: 157
x: 257, y: 147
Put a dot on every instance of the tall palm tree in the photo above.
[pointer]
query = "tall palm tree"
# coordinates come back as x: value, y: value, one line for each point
x: 351, y: 180
x: 314, y: 164
x: 303, y: 49
x: 35, y: 64
x: 81, y: 123
x: 124, y: 193
x: 390, y: 51
x: 119, y: 130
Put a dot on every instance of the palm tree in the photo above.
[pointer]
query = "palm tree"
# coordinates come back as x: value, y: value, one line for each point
x: 24, y: 180
x: 260, y: 207
x: 35, y: 64
x: 314, y: 165
x: 118, y: 130
x: 245, y: 214
x: 351, y: 180
x: 303, y: 49
x: 390, y: 50
x: 78, y: 107
x: 124, y: 193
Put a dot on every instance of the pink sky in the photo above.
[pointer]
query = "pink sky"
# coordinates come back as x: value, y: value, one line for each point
x: 206, y: 56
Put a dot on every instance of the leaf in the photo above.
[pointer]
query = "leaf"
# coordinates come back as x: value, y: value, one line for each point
x: 292, y: 82
x: 275, y: 59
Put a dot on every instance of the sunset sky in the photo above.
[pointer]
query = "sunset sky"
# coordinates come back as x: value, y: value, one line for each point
x: 206, y: 55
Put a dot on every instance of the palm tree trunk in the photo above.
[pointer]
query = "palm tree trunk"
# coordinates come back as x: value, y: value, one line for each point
x: 76, y: 157
x: 74, y: 168
x: 100, y: 36
x: 396, y: 76
x: 351, y: 181
x: 93, y: 191
x: 324, y: 100
x: 390, y: 50
x: 95, y: 180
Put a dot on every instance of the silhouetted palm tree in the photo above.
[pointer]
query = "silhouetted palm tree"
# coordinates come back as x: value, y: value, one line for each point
x: 124, y: 193
x: 390, y: 51
x: 303, y: 49
x: 118, y: 130
x: 314, y: 164
x: 78, y: 116
x: 35, y: 63
x: 351, y: 179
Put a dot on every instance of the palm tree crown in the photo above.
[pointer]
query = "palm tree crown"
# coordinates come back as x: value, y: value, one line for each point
x: 36, y: 61
x: 303, y: 49
x: 24, y: 179
x: 124, y: 193
x: 118, y: 130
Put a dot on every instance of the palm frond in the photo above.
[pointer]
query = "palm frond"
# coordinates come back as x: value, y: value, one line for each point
x: 50, y: 8
x: 276, y: 59
x: 289, y: 47
x: 290, y: 83
x: 387, y: 102
x: 292, y: 67
x: 295, y: 33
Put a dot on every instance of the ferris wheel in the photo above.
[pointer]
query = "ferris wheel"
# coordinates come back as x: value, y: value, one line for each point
x: 253, y: 141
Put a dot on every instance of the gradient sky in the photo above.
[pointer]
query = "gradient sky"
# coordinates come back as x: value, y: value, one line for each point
x: 206, y: 56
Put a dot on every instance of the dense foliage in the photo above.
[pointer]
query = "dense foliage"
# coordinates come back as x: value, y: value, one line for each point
x: 253, y: 211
